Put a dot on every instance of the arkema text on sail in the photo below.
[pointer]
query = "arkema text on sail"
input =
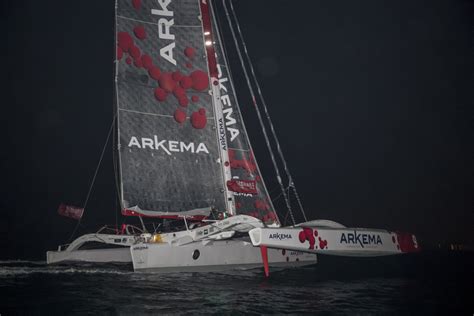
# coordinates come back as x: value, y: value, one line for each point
x: 168, y: 146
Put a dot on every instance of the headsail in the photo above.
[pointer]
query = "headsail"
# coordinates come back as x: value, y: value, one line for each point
x: 170, y: 162
x: 247, y: 184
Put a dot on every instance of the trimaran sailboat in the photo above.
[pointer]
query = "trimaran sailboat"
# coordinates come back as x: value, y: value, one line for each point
x: 184, y: 153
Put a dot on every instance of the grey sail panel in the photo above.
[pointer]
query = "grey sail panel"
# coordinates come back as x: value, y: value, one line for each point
x: 169, y: 156
x: 247, y: 184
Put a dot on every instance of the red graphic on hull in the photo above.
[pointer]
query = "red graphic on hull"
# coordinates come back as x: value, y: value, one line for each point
x: 323, y: 244
x: 407, y: 242
x: 308, y: 234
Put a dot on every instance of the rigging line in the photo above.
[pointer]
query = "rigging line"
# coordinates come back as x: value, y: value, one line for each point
x: 275, y: 139
x: 278, y: 196
x: 259, y: 115
x: 94, y: 177
x: 116, y: 179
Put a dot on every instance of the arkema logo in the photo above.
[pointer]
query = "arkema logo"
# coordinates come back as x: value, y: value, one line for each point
x: 361, y: 239
x: 168, y: 146
x: 280, y: 236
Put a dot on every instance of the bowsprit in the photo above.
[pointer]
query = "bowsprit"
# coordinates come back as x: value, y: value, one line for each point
x: 361, y: 239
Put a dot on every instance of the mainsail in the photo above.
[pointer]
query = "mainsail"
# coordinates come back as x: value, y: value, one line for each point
x: 182, y: 142
x: 169, y: 157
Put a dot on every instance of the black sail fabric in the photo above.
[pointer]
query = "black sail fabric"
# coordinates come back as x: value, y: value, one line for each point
x: 244, y: 168
x: 169, y: 155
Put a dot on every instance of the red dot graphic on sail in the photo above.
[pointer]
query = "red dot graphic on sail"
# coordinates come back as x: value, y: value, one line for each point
x: 136, y: 4
x: 160, y: 94
x: 154, y: 72
x: 124, y: 41
x: 139, y: 32
x: 189, y: 52
x: 179, y: 116
x: 198, y: 119
x: 169, y: 83
x: 247, y: 164
x: 147, y: 61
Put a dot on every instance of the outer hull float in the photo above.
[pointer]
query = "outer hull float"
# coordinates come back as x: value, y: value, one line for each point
x: 357, y: 242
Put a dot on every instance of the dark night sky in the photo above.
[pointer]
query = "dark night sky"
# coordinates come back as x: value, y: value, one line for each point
x: 372, y: 102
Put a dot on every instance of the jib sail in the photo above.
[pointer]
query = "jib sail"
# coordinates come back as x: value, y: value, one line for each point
x: 246, y: 183
x: 170, y: 162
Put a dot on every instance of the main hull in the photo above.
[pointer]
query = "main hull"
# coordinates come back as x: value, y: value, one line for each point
x: 349, y: 242
x: 211, y: 256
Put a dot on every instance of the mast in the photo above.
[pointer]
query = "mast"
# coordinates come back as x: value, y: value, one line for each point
x: 208, y: 38
x: 116, y: 145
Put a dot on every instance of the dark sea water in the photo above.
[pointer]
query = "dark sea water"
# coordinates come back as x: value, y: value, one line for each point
x: 425, y: 283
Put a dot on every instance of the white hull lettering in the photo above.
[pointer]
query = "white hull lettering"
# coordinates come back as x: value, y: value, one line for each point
x: 361, y: 239
x: 280, y: 236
